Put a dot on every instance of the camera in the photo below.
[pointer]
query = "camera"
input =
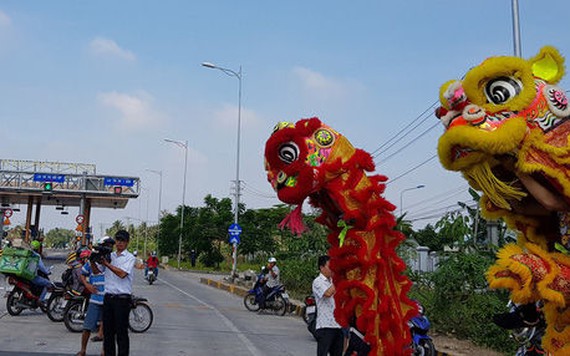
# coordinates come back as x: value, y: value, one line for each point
x: 100, y: 253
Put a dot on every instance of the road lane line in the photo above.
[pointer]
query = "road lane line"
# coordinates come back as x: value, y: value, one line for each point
x: 226, y: 321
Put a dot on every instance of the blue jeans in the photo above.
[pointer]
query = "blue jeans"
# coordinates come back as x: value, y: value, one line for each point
x: 42, y: 282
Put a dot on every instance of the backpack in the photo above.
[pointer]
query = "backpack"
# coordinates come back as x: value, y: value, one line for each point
x: 67, y: 277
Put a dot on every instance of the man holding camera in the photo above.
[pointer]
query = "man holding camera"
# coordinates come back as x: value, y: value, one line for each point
x: 117, y: 301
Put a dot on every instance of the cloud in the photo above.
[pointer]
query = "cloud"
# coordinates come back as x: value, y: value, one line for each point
x: 317, y: 85
x: 109, y: 48
x: 5, y: 20
x: 227, y: 117
x: 136, y: 110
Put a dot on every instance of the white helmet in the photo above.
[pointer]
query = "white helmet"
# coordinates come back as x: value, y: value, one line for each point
x: 135, y: 253
x: 272, y: 260
x: 101, y: 240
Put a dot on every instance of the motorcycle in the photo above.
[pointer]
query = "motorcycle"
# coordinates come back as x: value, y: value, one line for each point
x: 140, y: 316
x: 150, y: 277
x: 310, y: 315
x: 24, y: 295
x: 56, y: 302
x: 526, y: 325
x: 277, y: 300
x: 422, y: 344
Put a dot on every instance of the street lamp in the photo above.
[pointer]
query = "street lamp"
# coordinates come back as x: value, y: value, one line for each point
x: 182, y: 144
x: 405, y: 190
x: 238, y: 75
x: 159, y: 207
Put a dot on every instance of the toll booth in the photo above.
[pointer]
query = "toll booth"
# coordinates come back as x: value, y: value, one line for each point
x: 34, y: 184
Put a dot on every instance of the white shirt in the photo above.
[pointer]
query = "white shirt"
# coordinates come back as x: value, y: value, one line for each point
x: 325, y: 305
x: 113, y: 283
x: 273, y: 281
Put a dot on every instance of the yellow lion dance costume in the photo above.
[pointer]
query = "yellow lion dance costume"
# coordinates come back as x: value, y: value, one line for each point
x: 507, y: 127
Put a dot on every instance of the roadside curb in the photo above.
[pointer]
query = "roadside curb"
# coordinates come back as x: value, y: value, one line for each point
x: 296, y: 307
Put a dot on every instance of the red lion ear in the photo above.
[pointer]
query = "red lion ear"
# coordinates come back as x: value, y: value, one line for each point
x: 440, y: 112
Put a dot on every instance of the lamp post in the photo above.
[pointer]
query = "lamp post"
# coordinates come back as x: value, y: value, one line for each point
x: 238, y: 75
x: 405, y: 190
x: 159, y: 207
x: 182, y: 144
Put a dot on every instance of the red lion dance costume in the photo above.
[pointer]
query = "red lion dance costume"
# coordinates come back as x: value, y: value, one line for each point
x: 507, y: 127
x: 309, y: 159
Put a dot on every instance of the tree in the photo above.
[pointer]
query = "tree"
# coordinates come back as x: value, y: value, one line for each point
x: 58, y: 238
x: 116, y: 226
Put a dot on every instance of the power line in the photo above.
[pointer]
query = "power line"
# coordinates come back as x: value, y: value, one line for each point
x: 448, y: 195
x: 407, y: 145
x: 411, y: 169
x: 436, y: 214
x: 395, y: 137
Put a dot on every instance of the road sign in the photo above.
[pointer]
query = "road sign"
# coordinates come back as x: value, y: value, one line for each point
x: 8, y: 213
x: 79, y: 219
x: 46, y: 177
x: 126, y: 182
x: 234, y: 230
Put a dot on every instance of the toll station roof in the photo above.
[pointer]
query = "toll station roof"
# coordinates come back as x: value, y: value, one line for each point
x: 63, y: 184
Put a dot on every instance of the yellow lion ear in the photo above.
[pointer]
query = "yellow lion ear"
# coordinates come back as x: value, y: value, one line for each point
x: 548, y: 65
x: 442, y: 91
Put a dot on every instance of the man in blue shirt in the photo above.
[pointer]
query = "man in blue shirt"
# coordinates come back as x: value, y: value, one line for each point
x: 117, y: 301
x: 38, y: 280
x: 94, y: 280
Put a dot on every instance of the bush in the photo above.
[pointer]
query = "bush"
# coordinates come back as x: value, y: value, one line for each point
x: 297, y: 275
x: 457, y: 301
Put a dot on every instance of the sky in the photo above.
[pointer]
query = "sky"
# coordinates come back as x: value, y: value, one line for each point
x: 104, y: 82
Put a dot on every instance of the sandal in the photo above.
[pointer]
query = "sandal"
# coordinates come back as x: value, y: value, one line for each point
x: 96, y: 338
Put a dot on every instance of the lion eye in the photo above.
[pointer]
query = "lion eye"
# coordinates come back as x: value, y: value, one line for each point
x: 289, y: 152
x: 324, y: 137
x: 502, y: 89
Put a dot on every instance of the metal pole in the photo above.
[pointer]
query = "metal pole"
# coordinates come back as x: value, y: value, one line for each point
x: 183, y: 144
x: 238, y: 75
x: 238, y: 185
x: 159, y: 208
x: 402, y: 195
x: 516, y: 28
x: 183, y: 202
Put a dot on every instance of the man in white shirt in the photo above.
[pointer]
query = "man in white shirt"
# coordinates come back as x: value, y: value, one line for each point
x: 117, y: 302
x: 330, y: 339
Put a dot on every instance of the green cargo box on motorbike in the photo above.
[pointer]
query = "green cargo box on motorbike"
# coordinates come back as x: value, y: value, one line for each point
x: 19, y: 262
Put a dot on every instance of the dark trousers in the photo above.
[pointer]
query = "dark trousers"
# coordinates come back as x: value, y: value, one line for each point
x: 329, y: 341
x: 116, y: 309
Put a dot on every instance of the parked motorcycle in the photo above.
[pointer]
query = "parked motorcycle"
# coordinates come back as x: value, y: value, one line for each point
x: 24, y: 295
x: 310, y: 315
x: 140, y: 316
x: 150, y: 277
x: 526, y: 325
x: 277, y: 300
x: 422, y: 344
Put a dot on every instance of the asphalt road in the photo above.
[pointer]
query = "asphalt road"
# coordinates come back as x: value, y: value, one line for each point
x: 190, y: 318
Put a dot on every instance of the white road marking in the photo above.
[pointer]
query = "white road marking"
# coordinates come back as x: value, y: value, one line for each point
x: 226, y: 321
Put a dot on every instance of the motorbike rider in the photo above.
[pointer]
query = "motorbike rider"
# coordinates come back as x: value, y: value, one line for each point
x: 151, y: 262
x: 42, y: 269
x: 271, y: 278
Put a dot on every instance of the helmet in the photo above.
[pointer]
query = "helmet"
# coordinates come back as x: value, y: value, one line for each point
x: 71, y: 257
x: 153, y: 254
x: 35, y: 245
x: 85, y: 253
x: 106, y: 240
x: 135, y: 253
x: 272, y: 260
